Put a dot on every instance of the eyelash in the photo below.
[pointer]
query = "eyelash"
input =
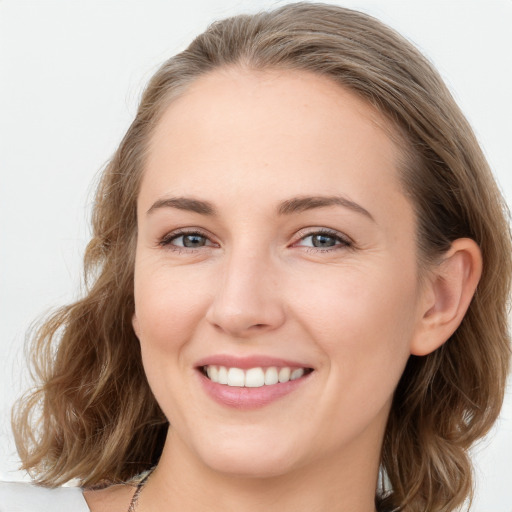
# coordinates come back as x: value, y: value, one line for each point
x: 343, y: 242
x: 167, y: 240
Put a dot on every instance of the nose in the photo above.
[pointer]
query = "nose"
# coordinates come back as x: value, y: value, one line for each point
x: 247, y: 300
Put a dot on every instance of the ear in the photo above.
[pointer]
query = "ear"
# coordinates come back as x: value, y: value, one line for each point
x: 447, y: 295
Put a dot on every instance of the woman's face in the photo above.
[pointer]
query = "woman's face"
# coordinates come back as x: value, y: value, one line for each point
x: 274, y: 241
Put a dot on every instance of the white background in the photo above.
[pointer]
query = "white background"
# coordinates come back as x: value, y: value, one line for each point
x: 71, y: 73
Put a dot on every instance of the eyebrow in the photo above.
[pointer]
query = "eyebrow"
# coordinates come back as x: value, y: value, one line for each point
x: 288, y: 207
x: 303, y: 203
x: 184, y: 203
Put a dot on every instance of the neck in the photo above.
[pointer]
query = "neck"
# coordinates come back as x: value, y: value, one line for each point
x: 344, y: 482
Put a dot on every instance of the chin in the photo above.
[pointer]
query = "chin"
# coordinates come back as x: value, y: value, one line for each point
x: 249, y: 467
x: 249, y: 460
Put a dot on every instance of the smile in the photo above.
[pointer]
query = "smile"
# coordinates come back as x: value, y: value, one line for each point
x: 251, y: 382
x: 252, y: 377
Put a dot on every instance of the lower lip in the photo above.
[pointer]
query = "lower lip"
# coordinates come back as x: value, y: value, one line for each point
x: 249, y: 398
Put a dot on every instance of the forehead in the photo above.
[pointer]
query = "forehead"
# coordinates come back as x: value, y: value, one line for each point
x: 268, y: 102
x: 273, y: 131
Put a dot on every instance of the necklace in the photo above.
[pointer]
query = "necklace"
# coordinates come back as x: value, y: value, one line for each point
x: 140, y: 486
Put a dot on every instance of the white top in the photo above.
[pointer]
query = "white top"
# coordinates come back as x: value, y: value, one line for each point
x: 27, y: 497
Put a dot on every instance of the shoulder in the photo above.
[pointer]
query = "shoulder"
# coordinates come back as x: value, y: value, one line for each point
x: 27, y: 497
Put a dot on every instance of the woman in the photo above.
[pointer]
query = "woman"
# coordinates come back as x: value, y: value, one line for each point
x: 293, y: 284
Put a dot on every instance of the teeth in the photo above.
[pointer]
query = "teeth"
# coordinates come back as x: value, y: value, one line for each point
x: 213, y: 373
x: 236, y: 377
x: 271, y: 376
x: 284, y: 374
x: 297, y: 374
x: 223, y: 375
x: 253, y: 377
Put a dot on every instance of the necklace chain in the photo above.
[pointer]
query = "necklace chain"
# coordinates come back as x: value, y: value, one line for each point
x: 140, y: 486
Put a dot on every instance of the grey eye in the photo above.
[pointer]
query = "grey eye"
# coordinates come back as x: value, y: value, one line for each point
x: 192, y: 241
x: 321, y: 240
x: 324, y: 240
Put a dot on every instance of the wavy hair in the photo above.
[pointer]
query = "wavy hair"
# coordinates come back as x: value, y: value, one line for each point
x: 92, y: 415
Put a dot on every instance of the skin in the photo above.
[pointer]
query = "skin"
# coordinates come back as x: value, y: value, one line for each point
x: 246, y: 142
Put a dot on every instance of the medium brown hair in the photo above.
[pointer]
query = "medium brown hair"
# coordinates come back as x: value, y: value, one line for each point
x: 93, y: 415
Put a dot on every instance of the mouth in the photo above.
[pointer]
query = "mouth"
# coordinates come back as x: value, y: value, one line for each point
x: 251, y: 382
x: 256, y: 377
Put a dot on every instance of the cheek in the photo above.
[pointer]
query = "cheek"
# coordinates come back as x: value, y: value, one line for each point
x: 363, y: 332
x: 169, y: 305
x: 362, y: 320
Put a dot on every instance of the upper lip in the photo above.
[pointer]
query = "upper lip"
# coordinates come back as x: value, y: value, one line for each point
x: 246, y: 362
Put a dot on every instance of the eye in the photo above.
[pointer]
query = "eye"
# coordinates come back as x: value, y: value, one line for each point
x: 192, y: 241
x: 324, y: 240
x: 186, y: 240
